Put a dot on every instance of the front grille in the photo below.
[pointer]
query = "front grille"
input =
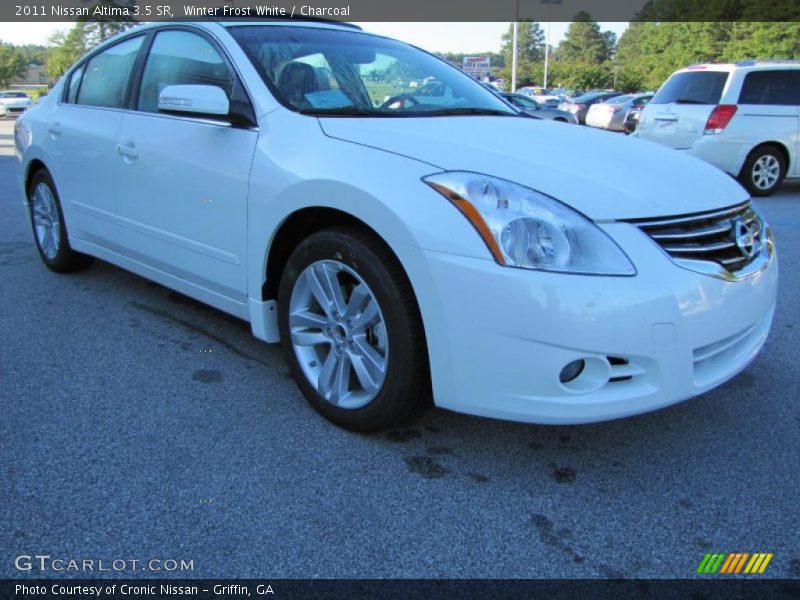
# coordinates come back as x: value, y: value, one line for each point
x: 731, y: 238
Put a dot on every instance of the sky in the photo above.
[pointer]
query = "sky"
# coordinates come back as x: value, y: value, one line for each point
x: 435, y: 37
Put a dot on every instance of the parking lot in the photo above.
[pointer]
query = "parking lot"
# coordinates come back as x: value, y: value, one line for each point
x: 138, y: 423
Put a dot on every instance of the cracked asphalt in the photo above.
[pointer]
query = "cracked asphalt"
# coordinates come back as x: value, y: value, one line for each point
x: 138, y: 423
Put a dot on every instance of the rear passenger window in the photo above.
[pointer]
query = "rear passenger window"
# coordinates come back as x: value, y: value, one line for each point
x: 771, y: 87
x: 181, y: 58
x: 105, y: 79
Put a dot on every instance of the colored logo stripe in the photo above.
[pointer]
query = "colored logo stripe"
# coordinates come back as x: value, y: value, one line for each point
x: 734, y: 563
x: 758, y: 563
x: 710, y: 563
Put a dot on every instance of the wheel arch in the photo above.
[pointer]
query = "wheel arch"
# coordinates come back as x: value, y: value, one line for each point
x: 769, y: 143
x: 295, y: 228
x: 31, y: 169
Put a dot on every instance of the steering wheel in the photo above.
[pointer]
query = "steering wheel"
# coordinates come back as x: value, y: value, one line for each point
x: 398, y: 102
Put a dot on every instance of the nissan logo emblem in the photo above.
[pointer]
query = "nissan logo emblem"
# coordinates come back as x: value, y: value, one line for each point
x: 744, y: 236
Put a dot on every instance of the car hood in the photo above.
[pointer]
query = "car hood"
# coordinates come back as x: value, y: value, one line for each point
x: 604, y: 175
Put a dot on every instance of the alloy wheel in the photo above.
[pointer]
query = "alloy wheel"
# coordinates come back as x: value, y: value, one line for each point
x: 46, y: 221
x: 766, y: 172
x: 338, y: 334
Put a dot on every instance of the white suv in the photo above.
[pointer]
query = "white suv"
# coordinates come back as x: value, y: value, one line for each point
x: 744, y: 118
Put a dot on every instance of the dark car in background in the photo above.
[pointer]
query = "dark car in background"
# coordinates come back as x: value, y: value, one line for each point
x: 532, y: 107
x: 634, y: 112
x: 580, y: 106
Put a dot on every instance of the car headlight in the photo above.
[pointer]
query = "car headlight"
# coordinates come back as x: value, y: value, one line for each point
x: 525, y: 228
x: 22, y: 135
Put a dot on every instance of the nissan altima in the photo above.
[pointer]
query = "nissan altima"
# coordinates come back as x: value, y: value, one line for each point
x: 404, y: 248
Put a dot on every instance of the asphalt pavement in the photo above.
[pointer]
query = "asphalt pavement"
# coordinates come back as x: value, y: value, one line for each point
x: 136, y: 423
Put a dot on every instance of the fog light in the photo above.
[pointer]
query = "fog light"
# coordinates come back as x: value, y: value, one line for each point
x: 571, y: 371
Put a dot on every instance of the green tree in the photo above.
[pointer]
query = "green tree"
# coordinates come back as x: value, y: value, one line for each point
x: 67, y: 48
x: 656, y: 50
x: 762, y: 40
x: 530, y: 53
x: 12, y: 64
x: 610, y: 39
x: 584, y: 42
x: 98, y: 30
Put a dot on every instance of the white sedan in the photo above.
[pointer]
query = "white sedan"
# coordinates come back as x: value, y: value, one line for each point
x: 14, y: 103
x: 399, y: 250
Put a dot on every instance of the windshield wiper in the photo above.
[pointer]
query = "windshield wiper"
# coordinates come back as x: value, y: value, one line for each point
x: 342, y: 111
x: 446, y: 112
x: 352, y: 111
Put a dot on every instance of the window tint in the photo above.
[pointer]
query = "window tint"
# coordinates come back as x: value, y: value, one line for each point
x: 181, y: 58
x: 106, y: 78
x: 74, y: 84
x: 692, y: 87
x: 771, y: 87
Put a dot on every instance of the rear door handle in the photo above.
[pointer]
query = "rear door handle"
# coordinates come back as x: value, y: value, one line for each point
x: 55, y: 129
x: 128, y: 151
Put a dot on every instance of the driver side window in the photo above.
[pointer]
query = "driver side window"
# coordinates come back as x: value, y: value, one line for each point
x: 309, y: 82
x: 181, y: 58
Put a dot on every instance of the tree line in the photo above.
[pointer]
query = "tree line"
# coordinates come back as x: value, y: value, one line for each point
x: 646, y: 53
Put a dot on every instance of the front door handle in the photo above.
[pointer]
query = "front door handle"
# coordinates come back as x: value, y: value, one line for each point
x: 128, y: 151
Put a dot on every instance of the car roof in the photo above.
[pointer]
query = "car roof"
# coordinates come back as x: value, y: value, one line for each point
x: 210, y: 24
x: 748, y: 65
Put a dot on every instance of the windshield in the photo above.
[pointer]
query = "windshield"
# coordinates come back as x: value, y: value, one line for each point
x: 331, y: 72
x: 13, y: 95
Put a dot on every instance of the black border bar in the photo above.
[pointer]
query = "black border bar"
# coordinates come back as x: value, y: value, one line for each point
x: 404, y: 10
x: 352, y: 589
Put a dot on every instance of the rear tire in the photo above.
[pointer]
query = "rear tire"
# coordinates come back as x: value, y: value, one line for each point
x: 49, y: 228
x: 351, y: 331
x: 763, y: 171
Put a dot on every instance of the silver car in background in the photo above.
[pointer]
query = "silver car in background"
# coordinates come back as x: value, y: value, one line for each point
x: 532, y: 107
x: 611, y: 114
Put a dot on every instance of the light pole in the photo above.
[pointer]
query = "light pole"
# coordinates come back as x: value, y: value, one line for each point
x: 547, y: 37
x: 514, y: 34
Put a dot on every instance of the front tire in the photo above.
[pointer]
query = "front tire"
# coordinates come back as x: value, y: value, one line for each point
x: 763, y: 171
x: 49, y: 229
x: 351, y: 331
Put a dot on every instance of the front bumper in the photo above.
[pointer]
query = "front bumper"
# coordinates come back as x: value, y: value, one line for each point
x: 499, y: 337
x: 12, y: 110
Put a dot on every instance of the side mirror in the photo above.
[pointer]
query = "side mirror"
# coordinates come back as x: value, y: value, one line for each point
x: 198, y: 100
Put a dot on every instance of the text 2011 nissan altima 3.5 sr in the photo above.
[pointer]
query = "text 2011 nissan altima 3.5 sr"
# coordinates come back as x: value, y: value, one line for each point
x: 402, y: 231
